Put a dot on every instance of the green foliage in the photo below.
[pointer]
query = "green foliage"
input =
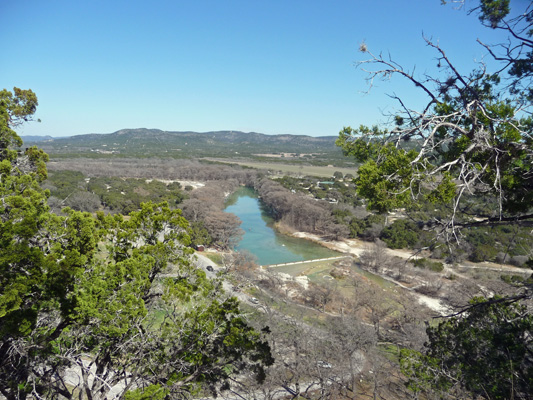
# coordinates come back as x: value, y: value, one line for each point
x: 482, y: 243
x: 374, y: 219
x: 401, y: 234
x: 199, y: 234
x: 486, y: 350
x: 78, y: 290
x: 356, y: 227
x: 386, y: 179
x: 126, y: 195
x: 462, y: 166
x: 64, y: 183
x: 360, y: 150
x: 383, y: 183
x: 296, y: 184
x: 152, y: 392
x: 435, y: 266
x: 420, y: 369
x: 20, y: 106
x: 15, y: 108
x: 493, y: 11
x: 366, y: 228
x: 483, y: 252
x: 486, y: 242
x: 517, y: 280
x: 341, y: 215
x: 342, y: 192
x: 473, y: 136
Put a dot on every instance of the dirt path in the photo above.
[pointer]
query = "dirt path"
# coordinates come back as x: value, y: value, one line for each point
x: 357, y: 247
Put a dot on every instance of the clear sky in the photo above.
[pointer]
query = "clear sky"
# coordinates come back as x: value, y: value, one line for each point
x: 275, y: 67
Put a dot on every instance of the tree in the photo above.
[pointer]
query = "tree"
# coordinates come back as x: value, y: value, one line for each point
x: 376, y: 258
x: 83, y: 201
x: 350, y: 338
x: 199, y: 234
x: 224, y: 228
x: 90, y: 305
x: 401, y: 234
x: 472, y: 137
x: 486, y: 350
x: 338, y: 175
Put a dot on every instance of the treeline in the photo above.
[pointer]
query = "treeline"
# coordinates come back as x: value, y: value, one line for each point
x: 155, y: 168
x: 300, y: 212
x: 204, y: 210
x: 331, y: 210
x: 120, y: 186
x: 410, y: 228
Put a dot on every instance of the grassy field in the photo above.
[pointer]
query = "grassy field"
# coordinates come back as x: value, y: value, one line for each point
x: 321, y: 171
x: 316, y: 270
x: 215, y: 257
x: 304, y: 268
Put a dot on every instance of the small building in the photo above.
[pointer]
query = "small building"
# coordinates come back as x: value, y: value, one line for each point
x: 200, y: 247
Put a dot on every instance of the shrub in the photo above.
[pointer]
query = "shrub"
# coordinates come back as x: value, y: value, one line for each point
x: 424, y: 263
x: 401, y: 234
x: 502, y: 257
x: 483, y: 252
x: 512, y: 279
x: 357, y: 227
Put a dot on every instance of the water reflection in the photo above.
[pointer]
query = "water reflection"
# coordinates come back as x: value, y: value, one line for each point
x: 261, y: 240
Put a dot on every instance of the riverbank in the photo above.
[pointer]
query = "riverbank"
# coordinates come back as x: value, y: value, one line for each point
x: 439, y: 301
x: 357, y: 247
x: 263, y: 236
x: 350, y: 246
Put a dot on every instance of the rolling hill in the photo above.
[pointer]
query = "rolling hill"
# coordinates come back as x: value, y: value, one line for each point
x: 154, y: 142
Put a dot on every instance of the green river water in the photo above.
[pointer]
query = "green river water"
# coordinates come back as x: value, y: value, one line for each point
x: 260, y: 239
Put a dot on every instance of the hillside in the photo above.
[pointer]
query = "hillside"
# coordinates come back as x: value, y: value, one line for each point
x: 36, y: 139
x: 155, y: 142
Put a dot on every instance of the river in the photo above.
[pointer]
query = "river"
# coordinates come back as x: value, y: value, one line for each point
x: 260, y: 239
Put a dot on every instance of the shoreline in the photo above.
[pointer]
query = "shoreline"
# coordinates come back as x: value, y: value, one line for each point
x: 356, y: 247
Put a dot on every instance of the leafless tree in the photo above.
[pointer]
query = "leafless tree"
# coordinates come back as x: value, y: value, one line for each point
x: 376, y: 258
x: 351, y: 340
x: 320, y: 295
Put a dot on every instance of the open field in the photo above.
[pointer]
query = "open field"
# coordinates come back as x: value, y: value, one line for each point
x: 316, y: 272
x: 321, y: 171
x: 303, y: 268
x: 215, y: 257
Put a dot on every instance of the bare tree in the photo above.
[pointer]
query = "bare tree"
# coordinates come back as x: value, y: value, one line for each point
x: 376, y: 258
x: 351, y: 340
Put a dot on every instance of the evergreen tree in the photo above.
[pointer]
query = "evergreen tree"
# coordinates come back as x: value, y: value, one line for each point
x: 84, y: 308
x: 474, y: 138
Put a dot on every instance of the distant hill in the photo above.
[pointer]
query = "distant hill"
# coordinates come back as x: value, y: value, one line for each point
x: 35, y: 138
x: 155, y: 142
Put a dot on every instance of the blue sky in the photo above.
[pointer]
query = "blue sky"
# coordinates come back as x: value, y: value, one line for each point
x: 273, y: 67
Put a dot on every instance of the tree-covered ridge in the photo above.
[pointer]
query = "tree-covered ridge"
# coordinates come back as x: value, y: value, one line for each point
x: 154, y: 142
x: 84, y: 295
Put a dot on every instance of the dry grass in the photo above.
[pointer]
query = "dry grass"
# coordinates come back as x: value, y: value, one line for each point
x: 312, y: 170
